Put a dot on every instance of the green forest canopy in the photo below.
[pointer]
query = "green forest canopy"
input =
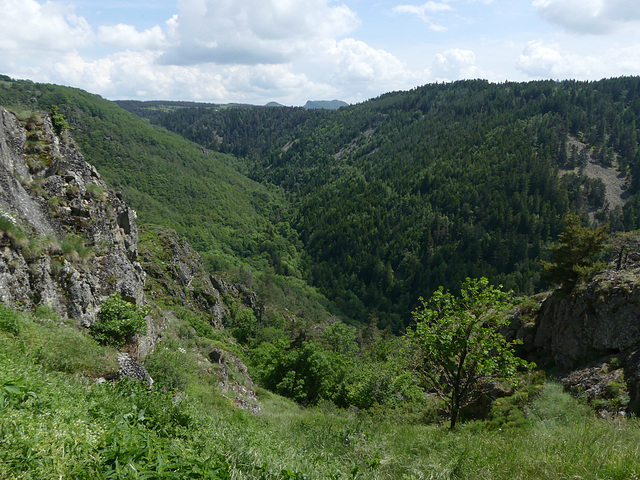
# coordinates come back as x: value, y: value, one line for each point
x: 399, y: 195
x: 374, y: 204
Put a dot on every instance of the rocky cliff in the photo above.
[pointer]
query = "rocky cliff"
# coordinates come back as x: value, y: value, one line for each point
x: 66, y: 240
x: 595, y: 320
x: 591, y: 335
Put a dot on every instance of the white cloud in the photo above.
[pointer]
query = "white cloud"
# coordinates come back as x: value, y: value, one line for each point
x: 355, y: 61
x: 455, y: 64
x: 589, y: 16
x: 27, y: 27
x: 542, y: 61
x: 421, y: 12
x: 126, y: 36
x: 252, y: 31
x: 135, y: 74
x: 255, y: 83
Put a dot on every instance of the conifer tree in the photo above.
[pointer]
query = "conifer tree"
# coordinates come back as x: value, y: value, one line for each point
x: 575, y: 254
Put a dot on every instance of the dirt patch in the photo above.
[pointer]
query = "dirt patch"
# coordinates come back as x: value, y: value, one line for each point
x: 615, y: 183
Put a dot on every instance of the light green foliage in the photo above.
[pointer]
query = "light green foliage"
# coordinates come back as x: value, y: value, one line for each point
x: 58, y: 120
x: 341, y: 338
x: 15, y: 393
x: 456, y: 346
x: 118, y: 321
x: 171, y: 368
x: 55, y: 425
x: 65, y: 349
x: 574, y: 256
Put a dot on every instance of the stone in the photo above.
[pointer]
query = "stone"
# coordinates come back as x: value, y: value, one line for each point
x: 590, y: 322
x: 132, y: 369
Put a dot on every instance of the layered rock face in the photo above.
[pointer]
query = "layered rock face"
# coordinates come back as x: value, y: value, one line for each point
x: 66, y: 241
x: 600, y: 319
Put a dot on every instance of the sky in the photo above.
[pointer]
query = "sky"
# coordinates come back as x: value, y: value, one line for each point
x: 291, y: 51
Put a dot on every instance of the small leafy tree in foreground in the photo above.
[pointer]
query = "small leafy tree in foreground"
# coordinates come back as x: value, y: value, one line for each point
x: 456, y: 345
x: 118, y: 321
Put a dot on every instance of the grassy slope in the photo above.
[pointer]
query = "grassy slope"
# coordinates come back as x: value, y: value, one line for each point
x: 169, y: 180
x: 57, y: 423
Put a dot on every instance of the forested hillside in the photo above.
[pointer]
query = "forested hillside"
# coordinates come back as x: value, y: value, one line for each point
x: 240, y: 227
x: 401, y: 194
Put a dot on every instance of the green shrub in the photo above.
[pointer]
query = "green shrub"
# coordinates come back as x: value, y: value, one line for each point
x: 243, y: 325
x: 9, y: 322
x: 118, y: 321
x: 170, y: 368
x: 58, y: 120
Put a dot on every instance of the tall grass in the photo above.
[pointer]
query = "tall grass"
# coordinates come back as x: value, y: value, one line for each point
x: 56, y: 422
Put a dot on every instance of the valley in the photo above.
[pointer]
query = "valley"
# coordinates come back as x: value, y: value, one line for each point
x: 263, y: 266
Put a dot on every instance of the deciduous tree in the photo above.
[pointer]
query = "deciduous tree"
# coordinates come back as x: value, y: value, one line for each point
x: 456, y: 345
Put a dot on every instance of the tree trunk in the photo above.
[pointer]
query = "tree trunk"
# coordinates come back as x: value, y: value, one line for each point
x: 454, y: 417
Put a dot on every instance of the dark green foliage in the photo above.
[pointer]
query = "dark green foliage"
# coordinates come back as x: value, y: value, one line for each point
x: 306, y: 374
x: 574, y: 256
x: 340, y: 338
x: 376, y: 203
x: 243, y: 324
x: 118, y: 321
x: 413, y: 190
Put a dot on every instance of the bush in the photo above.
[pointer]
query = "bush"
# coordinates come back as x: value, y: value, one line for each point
x: 118, y: 321
x: 58, y: 120
x: 9, y: 320
x: 171, y: 368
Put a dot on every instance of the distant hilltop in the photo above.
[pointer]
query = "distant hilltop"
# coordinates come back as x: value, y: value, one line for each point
x: 316, y: 104
x: 136, y: 105
x: 325, y: 104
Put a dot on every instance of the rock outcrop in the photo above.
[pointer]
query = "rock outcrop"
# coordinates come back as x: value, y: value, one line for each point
x: 599, y: 319
x: 66, y: 240
x: 593, y: 335
x: 177, y: 271
x: 244, y: 395
x: 132, y: 369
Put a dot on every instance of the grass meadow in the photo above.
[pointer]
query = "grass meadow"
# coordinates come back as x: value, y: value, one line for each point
x: 56, y: 422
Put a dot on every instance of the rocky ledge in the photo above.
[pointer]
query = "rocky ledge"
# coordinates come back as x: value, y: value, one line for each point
x: 66, y: 241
